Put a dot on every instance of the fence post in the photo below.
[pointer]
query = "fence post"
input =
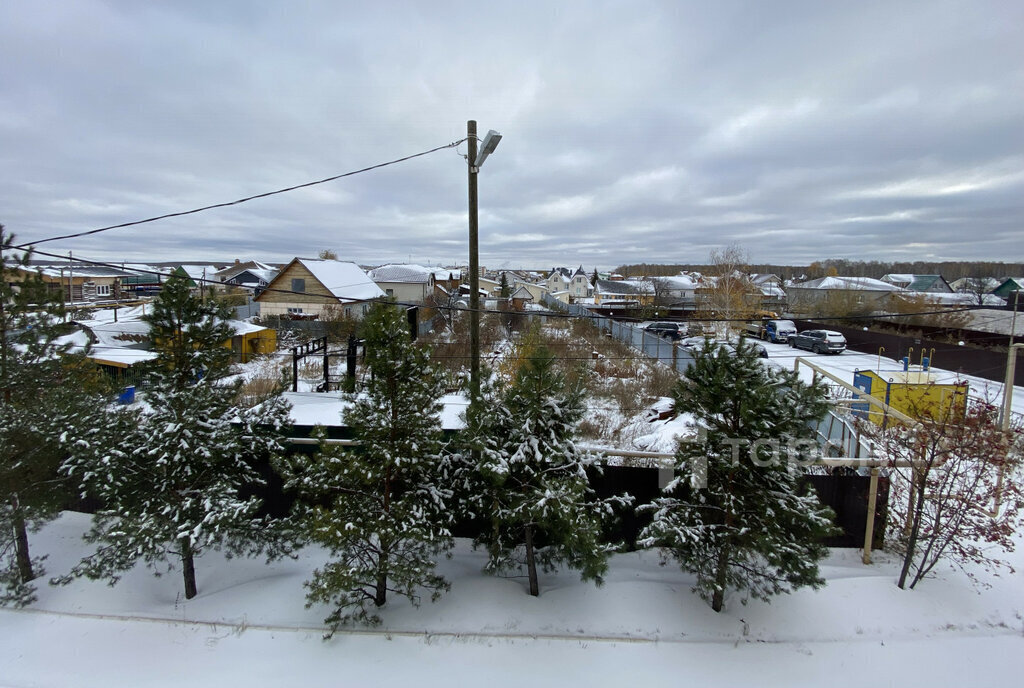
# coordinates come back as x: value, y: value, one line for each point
x: 869, y: 528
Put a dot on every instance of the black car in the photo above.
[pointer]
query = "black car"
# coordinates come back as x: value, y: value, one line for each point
x: 669, y: 330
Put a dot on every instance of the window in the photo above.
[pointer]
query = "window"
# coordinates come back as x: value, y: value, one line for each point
x: 294, y: 310
x: 298, y: 284
x: 389, y: 292
x: 348, y: 311
x: 366, y: 309
x: 102, y: 290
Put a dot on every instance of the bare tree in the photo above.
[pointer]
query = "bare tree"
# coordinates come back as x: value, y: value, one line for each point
x: 727, y: 299
x: 955, y: 493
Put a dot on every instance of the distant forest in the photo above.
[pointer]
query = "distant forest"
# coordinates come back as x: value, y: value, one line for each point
x: 951, y: 270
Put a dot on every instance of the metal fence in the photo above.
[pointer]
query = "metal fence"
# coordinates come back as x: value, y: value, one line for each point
x: 836, y: 431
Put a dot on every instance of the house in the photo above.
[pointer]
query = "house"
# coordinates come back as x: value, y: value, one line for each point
x: 623, y: 293
x: 405, y: 283
x: 975, y: 285
x: 447, y: 278
x: 251, y: 275
x: 79, y: 283
x: 520, y: 298
x: 839, y: 295
x: 678, y: 291
x: 932, y: 284
x: 537, y: 291
x: 252, y: 279
x: 558, y: 280
x: 1010, y: 284
x: 312, y: 288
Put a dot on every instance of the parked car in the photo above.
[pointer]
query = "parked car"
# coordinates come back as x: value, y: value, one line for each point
x: 776, y: 331
x: 669, y: 330
x: 819, y: 341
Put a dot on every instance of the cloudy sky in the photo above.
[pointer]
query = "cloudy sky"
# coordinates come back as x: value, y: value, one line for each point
x: 633, y: 131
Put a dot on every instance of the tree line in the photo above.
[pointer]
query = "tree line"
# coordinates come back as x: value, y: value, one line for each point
x: 951, y: 270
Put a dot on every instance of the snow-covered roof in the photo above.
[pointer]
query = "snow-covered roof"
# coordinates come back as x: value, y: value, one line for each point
x: 318, y: 408
x: 406, y: 273
x: 81, y: 271
x: 344, y: 280
x: 624, y: 287
x: 120, y: 356
x: 849, y: 283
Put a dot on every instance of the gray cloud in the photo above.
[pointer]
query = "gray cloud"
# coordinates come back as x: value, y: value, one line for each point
x: 633, y: 132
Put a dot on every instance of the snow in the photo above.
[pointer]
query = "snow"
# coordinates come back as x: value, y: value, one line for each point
x: 346, y: 281
x: 318, y: 408
x: 249, y: 626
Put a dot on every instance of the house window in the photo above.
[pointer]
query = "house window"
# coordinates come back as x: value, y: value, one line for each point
x: 298, y: 284
x: 348, y: 311
x: 389, y: 292
x: 294, y: 310
x: 102, y: 290
x: 366, y: 309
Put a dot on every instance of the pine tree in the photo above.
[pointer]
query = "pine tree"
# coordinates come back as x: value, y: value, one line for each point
x: 594, y: 278
x: 505, y: 290
x: 172, y: 479
x: 735, y: 515
x: 41, y: 389
x: 380, y: 507
x: 531, y: 477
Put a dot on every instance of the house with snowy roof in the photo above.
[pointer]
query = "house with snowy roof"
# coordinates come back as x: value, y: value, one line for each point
x: 405, y: 283
x: 623, y: 293
x: 837, y: 295
x: 1010, y: 284
x: 932, y: 284
x: 307, y: 287
x: 78, y: 282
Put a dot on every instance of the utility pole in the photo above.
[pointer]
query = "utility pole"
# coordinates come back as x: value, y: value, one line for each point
x: 3, y: 321
x: 474, y: 264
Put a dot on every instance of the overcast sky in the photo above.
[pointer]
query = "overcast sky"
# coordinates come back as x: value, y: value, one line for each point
x: 633, y: 131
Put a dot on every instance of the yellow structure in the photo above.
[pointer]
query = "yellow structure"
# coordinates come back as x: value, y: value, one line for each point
x: 251, y: 340
x: 915, y: 393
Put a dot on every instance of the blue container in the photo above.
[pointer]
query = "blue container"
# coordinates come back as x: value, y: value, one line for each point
x: 127, y: 396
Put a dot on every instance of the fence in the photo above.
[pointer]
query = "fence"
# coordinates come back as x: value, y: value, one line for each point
x: 651, y: 345
x: 836, y: 432
x: 989, y: 364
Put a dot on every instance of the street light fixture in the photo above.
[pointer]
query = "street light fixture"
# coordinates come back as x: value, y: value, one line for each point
x: 475, y: 160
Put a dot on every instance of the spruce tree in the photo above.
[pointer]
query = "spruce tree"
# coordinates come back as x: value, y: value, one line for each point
x: 173, y: 479
x: 532, y: 480
x: 42, y: 389
x: 381, y: 508
x: 735, y: 515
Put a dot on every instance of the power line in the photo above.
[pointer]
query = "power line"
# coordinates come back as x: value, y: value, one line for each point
x: 240, y: 200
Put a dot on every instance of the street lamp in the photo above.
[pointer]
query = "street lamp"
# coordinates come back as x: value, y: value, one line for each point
x: 475, y: 160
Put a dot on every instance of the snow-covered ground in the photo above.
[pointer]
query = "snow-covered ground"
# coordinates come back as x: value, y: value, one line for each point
x: 249, y: 627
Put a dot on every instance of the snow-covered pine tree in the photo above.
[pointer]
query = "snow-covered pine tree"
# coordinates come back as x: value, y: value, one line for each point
x: 750, y: 528
x: 41, y: 389
x: 536, y: 495
x: 172, y: 479
x: 381, y: 507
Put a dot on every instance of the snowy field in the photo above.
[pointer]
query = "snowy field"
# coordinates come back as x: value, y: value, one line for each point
x: 248, y: 625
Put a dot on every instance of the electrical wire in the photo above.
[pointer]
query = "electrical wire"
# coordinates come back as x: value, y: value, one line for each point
x: 239, y: 201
